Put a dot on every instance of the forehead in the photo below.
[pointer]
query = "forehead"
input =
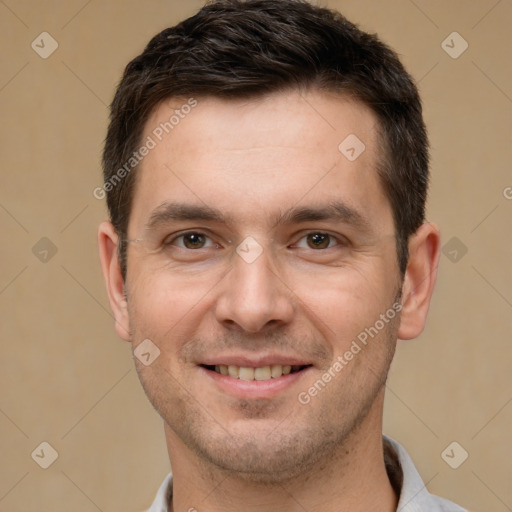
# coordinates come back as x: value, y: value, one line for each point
x: 290, y: 119
x: 259, y: 155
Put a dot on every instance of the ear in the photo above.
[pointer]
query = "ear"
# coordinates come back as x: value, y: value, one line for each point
x: 108, y: 242
x: 419, y: 280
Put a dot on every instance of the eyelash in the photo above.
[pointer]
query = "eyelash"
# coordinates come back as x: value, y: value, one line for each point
x: 166, y: 242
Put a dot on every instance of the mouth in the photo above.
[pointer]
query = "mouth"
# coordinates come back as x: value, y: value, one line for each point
x: 261, y: 373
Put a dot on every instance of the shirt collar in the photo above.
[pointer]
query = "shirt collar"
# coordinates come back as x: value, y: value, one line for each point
x: 403, y: 475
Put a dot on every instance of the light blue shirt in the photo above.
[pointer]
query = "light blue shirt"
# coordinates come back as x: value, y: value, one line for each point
x: 414, y: 496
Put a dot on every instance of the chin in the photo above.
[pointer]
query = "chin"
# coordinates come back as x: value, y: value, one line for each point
x: 265, y: 459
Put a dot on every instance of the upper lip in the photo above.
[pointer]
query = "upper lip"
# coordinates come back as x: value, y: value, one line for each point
x: 254, y: 361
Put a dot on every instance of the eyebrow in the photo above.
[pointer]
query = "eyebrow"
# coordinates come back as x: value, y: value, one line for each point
x: 335, y: 211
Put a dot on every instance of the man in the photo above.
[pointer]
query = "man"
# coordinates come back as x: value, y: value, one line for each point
x: 266, y: 170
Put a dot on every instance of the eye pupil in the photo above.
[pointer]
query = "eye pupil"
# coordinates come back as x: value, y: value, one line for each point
x: 318, y: 240
x: 193, y: 240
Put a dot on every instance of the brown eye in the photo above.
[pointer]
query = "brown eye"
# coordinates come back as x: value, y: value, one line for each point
x: 194, y: 240
x: 318, y: 240
x: 190, y: 240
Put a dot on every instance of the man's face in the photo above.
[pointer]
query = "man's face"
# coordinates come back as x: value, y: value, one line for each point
x: 319, y: 268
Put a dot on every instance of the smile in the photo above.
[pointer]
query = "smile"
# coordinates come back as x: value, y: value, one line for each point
x: 261, y: 373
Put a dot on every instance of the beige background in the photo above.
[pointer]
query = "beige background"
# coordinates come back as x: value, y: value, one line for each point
x: 65, y: 377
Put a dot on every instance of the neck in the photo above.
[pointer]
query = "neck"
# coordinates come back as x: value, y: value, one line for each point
x: 353, y: 479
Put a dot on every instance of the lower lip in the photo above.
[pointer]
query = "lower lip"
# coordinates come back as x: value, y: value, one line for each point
x: 255, y: 389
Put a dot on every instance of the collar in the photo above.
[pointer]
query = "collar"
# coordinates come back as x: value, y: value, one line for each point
x: 403, y: 475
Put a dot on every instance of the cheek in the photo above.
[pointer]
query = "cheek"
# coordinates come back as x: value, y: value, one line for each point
x: 341, y: 303
x: 162, y: 301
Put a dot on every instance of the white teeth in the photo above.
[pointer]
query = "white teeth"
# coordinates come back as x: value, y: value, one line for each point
x: 262, y: 373
x: 246, y: 373
x: 233, y: 371
x: 276, y: 370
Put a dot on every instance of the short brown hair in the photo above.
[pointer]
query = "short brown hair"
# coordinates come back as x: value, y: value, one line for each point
x: 249, y: 48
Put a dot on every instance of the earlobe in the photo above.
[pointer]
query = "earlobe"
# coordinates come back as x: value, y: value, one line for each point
x: 108, y: 241
x: 419, y: 280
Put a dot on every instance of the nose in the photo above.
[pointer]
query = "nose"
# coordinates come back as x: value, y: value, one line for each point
x: 253, y: 297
